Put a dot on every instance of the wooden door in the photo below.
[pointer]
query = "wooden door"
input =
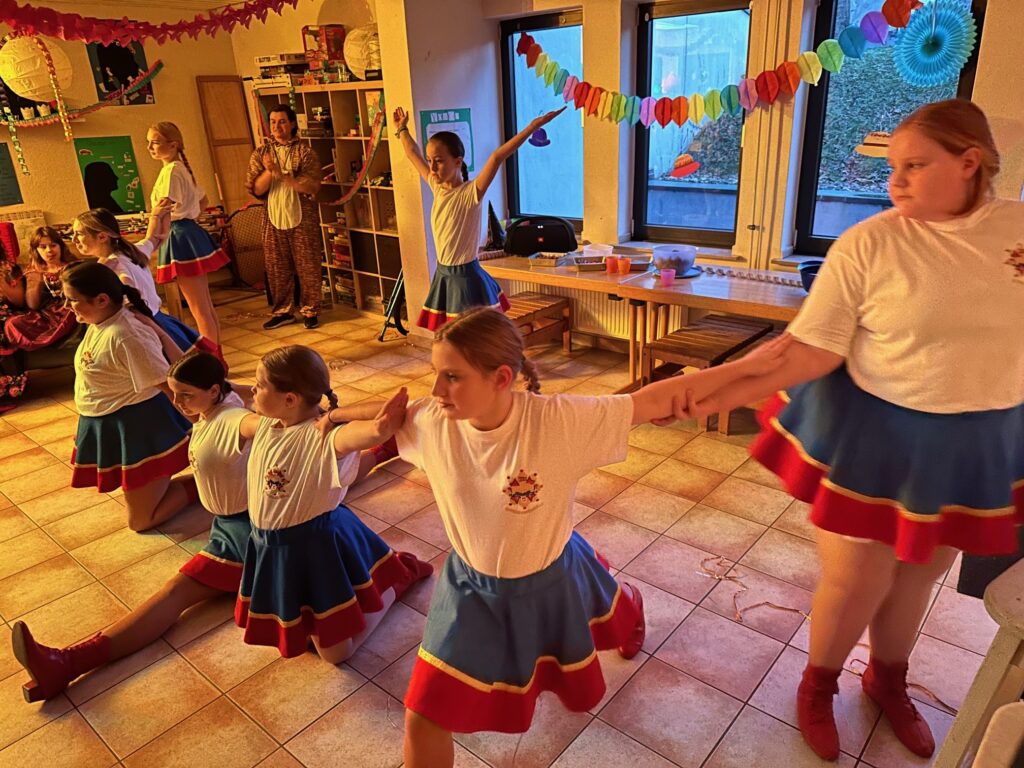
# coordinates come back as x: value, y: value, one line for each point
x: 226, y: 117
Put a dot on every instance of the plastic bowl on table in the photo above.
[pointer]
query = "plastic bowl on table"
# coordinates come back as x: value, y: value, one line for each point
x: 677, y: 257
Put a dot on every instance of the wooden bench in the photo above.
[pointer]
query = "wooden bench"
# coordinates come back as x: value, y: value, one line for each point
x: 724, y: 416
x: 707, y: 342
x: 542, y: 318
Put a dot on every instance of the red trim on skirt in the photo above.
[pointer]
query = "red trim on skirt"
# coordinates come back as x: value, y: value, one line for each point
x: 203, y: 265
x: 460, y: 704
x: 914, y: 537
x: 432, y: 319
x: 107, y: 479
x: 291, y: 638
x: 213, y: 572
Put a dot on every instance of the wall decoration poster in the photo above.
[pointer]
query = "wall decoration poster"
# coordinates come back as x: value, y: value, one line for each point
x: 455, y: 120
x: 10, y: 190
x: 110, y: 174
x: 114, y: 66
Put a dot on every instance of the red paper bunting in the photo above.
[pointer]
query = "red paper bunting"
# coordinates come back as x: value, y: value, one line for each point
x: 582, y: 91
x: 897, y: 12
x: 663, y: 111
x: 768, y: 86
x: 788, y: 74
x: 680, y: 110
x: 531, y: 55
x: 593, y: 99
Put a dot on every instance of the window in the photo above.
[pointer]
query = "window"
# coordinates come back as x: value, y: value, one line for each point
x: 687, y: 48
x: 543, y: 179
x: 838, y: 186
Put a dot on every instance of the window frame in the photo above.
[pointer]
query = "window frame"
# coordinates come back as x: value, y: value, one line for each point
x: 647, y: 13
x: 807, y: 244
x: 509, y: 29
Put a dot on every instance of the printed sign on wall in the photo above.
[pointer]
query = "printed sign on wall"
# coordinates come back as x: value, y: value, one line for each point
x: 455, y: 120
x: 110, y: 174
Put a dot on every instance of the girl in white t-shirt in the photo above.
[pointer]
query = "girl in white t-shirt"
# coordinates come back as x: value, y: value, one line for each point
x: 189, y: 254
x: 313, y: 570
x: 908, y: 440
x: 129, y: 434
x: 459, y: 281
x: 523, y: 602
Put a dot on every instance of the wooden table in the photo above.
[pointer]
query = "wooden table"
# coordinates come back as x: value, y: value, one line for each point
x: 646, y: 296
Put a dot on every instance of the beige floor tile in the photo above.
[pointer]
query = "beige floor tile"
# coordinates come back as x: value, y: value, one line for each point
x: 717, y: 532
x: 289, y: 694
x: 14, y: 523
x: 25, y: 462
x: 136, y: 583
x: 67, y: 742
x: 617, y: 671
x: 756, y: 739
x: 659, y: 440
x: 223, y: 657
x: 395, y: 501
x: 686, y: 480
x: 956, y: 619
x: 8, y: 664
x: 75, y: 616
x: 760, y: 588
x: 372, y: 481
x: 26, y: 550
x: 662, y: 610
x: 395, y: 678
x: 946, y: 670
x: 218, y: 734
x: 106, y: 677
x: 599, y: 741
x: 755, y: 502
x: 636, y: 464
x: 61, y: 504
x: 18, y: 719
x: 796, y: 520
x: 149, y: 703
x: 411, y: 367
x: 400, y: 631
x: 369, y: 520
x: 118, y: 550
x: 40, y: 584
x: 648, y: 507
x: 712, y: 454
x: 400, y: 541
x: 15, y: 443
x: 280, y: 759
x: 884, y: 750
x: 616, y: 377
x: 674, y: 567
x: 54, y: 430
x: 35, y: 413
x: 6, y: 429
x: 579, y: 369
x: 580, y: 512
x: 615, y: 539
x: 426, y: 525
x: 597, y: 488
x: 754, y: 471
x: 345, y: 374
x: 388, y: 360
x: 671, y: 713
x: 786, y: 557
x: 90, y: 524
x: 379, y: 382
x: 35, y: 484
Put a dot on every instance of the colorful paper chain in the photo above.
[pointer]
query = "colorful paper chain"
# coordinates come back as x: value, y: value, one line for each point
x: 748, y: 94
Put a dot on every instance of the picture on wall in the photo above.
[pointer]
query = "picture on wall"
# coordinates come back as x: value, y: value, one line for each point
x: 114, y: 66
x: 10, y: 191
x: 110, y: 174
x: 458, y: 121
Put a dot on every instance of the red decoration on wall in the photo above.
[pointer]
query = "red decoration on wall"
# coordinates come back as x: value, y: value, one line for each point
x: 593, y: 100
x: 788, y: 74
x: 663, y: 111
x: 897, y: 12
x: 532, y: 53
x: 33, y: 20
x: 768, y: 86
x: 582, y: 91
x: 680, y: 110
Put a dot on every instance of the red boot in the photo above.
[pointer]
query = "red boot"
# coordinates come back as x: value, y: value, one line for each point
x: 814, y: 710
x: 418, y: 570
x: 53, y: 669
x: 632, y: 646
x: 386, y: 451
x: 886, y: 684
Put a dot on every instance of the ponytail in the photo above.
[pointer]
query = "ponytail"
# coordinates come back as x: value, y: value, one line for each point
x: 331, y: 398
x: 90, y: 279
x: 131, y: 293
x: 188, y: 166
x: 465, y: 171
x: 100, y: 220
x: 529, y: 371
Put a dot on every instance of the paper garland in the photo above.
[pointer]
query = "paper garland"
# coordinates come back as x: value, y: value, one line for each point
x: 946, y: 51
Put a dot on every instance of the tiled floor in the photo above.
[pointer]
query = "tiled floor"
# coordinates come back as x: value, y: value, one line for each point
x: 707, y: 690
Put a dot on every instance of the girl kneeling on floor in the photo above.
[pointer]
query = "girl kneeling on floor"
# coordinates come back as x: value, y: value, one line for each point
x: 313, y: 570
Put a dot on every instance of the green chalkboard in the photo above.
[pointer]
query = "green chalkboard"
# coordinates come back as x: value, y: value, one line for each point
x: 10, y: 190
x: 110, y: 174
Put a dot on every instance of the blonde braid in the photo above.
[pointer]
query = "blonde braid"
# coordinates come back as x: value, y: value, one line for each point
x: 529, y: 371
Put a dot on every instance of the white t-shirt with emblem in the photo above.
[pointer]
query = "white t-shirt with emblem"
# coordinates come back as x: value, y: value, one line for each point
x: 294, y: 474
x: 927, y: 314
x: 138, y: 277
x: 506, y: 495
x: 455, y: 222
x: 175, y: 181
x: 119, y: 362
x: 219, y: 458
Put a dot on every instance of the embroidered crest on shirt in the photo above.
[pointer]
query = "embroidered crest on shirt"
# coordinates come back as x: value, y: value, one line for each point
x: 274, y: 483
x: 522, y: 491
x: 1016, y: 261
x: 87, y: 358
x: 192, y: 460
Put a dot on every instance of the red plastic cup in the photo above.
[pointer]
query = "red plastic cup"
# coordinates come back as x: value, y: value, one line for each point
x: 624, y: 266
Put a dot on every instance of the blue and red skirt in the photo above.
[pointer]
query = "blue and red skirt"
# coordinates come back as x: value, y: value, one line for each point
x: 911, y: 479
x: 455, y: 289
x: 219, y: 564
x: 189, y: 251
x: 315, y: 579
x: 130, y: 447
x: 492, y: 646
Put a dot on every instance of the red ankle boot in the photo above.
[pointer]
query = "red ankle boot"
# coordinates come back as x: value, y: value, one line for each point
x: 632, y: 646
x: 418, y: 570
x: 814, y: 710
x: 386, y: 451
x: 53, y: 669
x: 886, y: 684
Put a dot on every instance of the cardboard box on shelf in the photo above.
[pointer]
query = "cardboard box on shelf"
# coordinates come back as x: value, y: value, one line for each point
x: 324, y: 45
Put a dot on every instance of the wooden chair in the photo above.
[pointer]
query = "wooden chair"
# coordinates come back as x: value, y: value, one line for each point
x: 542, y: 318
x: 707, y: 342
x: 724, y: 416
x: 1000, y: 680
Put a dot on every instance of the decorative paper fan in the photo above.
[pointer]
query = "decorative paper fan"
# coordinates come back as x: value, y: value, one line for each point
x: 935, y: 46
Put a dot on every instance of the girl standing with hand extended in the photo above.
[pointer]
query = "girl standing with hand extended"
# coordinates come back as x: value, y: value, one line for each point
x: 902, y: 419
x: 188, y: 254
x: 459, y: 281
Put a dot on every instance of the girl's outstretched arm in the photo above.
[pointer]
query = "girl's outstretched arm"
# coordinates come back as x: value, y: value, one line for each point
x: 359, y: 435
x: 400, y: 119
x: 504, y: 152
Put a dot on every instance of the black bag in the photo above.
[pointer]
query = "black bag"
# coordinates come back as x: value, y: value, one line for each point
x: 551, y: 234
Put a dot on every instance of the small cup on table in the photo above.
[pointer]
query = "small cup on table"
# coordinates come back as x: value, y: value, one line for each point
x: 667, y: 277
x: 611, y: 264
x: 624, y: 266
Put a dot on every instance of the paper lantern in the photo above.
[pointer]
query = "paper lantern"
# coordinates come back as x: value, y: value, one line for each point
x: 23, y: 68
x: 541, y: 64
x: 362, y: 50
x: 525, y: 41
x: 559, y: 80
x: 810, y: 67
x: 550, y: 72
x: 875, y: 28
x: 581, y: 94
x: 748, y: 94
x: 604, y: 109
x: 713, y: 104
x: 680, y: 110
x: 647, y: 111
x: 767, y: 86
x: 696, y: 108
x: 570, y: 88
x: 618, y: 109
x: 532, y: 54
x: 897, y: 12
x: 831, y: 55
x: 853, y: 42
x: 789, y: 78
x: 593, y: 100
x: 731, y: 100
x: 633, y: 110
x: 925, y: 58
x: 663, y: 111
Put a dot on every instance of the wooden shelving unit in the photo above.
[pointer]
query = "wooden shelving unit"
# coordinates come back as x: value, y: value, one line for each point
x: 361, y: 254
